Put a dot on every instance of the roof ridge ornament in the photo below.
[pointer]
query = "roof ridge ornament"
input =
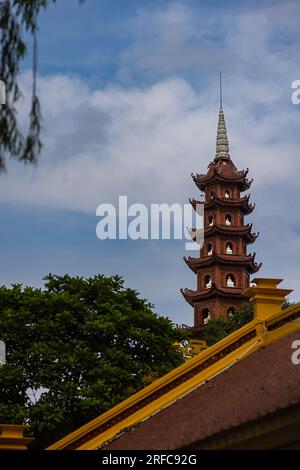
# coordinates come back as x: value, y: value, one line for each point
x: 222, y: 147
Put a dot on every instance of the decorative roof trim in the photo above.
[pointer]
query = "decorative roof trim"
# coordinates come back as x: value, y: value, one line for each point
x: 244, y: 230
x: 243, y: 203
x: 247, y: 260
x: 194, y: 296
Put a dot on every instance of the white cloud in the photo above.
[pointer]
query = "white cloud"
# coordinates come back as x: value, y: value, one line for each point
x: 145, y: 140
x: 257, y: 42
x: 102, y: 143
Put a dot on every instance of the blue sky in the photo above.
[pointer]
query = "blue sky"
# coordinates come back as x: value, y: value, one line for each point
x: 129, y: 91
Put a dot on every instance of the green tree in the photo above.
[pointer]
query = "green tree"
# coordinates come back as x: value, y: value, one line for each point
x: 77, y: 348
x: 221, y: 327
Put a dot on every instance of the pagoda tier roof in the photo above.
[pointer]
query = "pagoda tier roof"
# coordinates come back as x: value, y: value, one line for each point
x: 194, y: 296
x: 247, y: 261
x: 223, y: 171
x: 242, y: 203
x: 229, y: 230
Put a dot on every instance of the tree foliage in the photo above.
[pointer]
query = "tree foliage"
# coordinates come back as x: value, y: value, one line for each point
x: 19, y: 23
x: 220, y: 327
x: 77, y: 348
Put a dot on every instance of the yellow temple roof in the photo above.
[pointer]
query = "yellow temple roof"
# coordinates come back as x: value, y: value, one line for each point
x: 270, y: 325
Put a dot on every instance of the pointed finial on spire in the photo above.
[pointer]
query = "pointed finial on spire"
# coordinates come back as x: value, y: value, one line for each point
x: 220, y: 90
x: 222, y: 148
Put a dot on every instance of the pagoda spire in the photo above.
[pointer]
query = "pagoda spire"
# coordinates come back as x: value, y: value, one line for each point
x: 224, y: 266
x: 222, y: 147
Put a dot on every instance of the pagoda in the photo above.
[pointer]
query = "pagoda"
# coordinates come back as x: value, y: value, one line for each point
x: 223, y: 267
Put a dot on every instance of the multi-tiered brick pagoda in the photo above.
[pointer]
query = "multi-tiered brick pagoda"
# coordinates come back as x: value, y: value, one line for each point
x: 224, y: 266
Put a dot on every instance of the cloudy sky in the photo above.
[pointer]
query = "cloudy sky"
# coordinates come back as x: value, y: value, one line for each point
x: 129, y: 92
